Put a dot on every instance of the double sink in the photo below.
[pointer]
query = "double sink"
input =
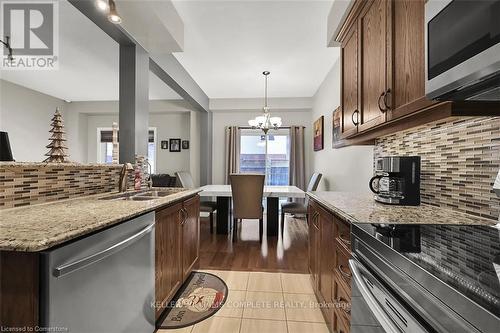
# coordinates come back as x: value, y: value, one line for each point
x: 144, y: 195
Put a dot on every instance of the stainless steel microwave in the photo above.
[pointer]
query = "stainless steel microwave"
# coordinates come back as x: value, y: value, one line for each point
x: 462, y: 41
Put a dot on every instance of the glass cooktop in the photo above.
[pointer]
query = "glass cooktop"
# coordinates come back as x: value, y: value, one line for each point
x: 465, y: 257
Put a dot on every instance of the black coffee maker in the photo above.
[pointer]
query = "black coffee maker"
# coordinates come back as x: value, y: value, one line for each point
x: 397, y: 180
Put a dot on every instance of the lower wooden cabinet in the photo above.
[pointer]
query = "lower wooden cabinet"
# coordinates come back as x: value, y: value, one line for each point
x: 176, y: 248
x: 329, y: 253
x: 190, y: 226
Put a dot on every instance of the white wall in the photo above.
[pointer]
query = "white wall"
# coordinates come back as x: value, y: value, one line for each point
x: 224, y: 118
x: 344, y: 169
x: 26, y: 115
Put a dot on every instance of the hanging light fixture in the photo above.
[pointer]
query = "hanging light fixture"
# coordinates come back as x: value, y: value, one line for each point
x: 265, y: 122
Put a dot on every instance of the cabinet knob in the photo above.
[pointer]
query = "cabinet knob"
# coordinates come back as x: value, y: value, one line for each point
x: 355, y: 120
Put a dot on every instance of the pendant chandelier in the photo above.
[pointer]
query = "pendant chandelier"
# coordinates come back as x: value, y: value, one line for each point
x: 265, y: 122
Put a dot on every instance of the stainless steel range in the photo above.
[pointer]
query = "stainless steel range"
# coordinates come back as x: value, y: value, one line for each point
x: 428, y: 278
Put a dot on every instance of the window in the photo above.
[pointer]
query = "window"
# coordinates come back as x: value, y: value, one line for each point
x: 105, y: 147
x: 270, y: 157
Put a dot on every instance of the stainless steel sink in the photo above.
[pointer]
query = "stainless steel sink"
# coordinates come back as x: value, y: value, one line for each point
x: 162, y: 193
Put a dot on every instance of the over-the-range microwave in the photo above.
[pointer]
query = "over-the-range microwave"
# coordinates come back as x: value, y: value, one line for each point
x: 462, y: 41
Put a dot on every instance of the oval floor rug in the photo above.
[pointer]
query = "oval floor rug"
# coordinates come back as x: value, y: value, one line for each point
x: 201, y: 296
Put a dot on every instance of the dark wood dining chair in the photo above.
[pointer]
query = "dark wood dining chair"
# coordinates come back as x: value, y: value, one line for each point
x: 186, y: 181
x: 299, y: 207
x: 247, y: 191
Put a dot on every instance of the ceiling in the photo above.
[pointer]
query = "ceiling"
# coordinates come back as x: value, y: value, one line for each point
x: 229, y: 43
x: 88, y: 64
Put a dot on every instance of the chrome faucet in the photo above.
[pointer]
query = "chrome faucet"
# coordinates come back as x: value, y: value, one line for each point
x: 122, y: 185
x: 148, y: 178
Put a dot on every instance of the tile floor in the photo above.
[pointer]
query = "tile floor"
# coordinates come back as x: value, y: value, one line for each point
x: 263, y: 303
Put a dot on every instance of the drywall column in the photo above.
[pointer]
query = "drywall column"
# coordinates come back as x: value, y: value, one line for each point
x: 206, y: 148
x: 134, y: 102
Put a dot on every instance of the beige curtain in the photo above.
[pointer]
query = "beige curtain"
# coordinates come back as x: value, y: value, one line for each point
x: 232, y: 155
x: 297, y: 157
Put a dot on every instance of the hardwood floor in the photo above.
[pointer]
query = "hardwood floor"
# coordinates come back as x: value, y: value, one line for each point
x: 288, y: 255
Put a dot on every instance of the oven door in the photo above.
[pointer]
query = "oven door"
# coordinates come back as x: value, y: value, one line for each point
x: 462, y: 49
x: 374, y: 309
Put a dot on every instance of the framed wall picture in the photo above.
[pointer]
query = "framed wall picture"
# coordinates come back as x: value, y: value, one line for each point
x: 336, y: 122
x: 318, y: 134
x: 164, y: 144
x: 175, y: 145
x: 185, y: 144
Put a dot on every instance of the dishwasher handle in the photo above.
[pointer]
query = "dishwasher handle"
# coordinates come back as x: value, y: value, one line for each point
x: 378, y: 312
x: 98, y: 256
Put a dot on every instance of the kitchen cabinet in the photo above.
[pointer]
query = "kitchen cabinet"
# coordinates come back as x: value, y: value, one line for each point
x: 177, y: 248
x: 314, y: 235
x: 329, y: 253
x: 168, y: 276
x: 350, y: 111
x: 375, y: 62
x: 190, y: 235
x: 383, y: 73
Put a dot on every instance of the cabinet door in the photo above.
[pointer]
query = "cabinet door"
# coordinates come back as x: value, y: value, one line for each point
x: 313, y: 217
x: 190, y: 235
x: 350, y: 81
x: 375, y: 38
x: 167, y: 255
x: 327, y: 245
x: 408, y: 75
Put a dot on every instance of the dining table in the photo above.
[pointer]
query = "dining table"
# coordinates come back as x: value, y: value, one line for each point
x: 272, y: 193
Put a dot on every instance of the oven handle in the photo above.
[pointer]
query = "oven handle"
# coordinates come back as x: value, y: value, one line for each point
x: 378, y: 312
x: 98, y: 256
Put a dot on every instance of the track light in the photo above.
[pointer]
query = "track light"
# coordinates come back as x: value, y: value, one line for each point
x: 113, y: 15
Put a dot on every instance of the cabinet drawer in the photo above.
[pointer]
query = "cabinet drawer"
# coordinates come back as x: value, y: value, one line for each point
x: 343, y: 234
x: 341, y: 268
x: 342, y: 300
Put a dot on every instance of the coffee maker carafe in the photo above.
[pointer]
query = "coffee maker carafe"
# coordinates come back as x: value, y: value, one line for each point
x: 397, y: 180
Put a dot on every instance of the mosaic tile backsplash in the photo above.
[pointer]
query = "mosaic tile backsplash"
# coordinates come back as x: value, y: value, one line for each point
x: 25, y: 184
x: 460, y: 161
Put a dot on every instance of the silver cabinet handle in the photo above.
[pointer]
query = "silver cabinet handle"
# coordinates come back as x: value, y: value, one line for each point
x: 378, y: 312
x: 98, y: 256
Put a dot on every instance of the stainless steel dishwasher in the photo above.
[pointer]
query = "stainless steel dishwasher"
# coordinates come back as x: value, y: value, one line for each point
x: 102, y: 283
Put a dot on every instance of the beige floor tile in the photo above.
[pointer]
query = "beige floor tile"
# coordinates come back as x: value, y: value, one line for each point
x: 233, y: 307
x: 296, y: 283
x: 218, y: 325
x: 259, y: 281
x: 179, y: 330
x: 264, y: 305
x: 302, y: 307
x: 235, y: 280
x: 263, y: 326
x: 301, y: 327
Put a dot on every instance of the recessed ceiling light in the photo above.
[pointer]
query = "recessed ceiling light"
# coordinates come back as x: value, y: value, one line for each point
x: 113, y: 15
x: 102, y: 5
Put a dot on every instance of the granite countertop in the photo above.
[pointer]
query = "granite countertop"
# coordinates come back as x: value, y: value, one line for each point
x: 39, y: 227
x: 362, y: 208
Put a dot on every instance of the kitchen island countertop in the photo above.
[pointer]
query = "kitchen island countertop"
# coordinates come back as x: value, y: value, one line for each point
x: 362, y: 208
x: 39, y: 227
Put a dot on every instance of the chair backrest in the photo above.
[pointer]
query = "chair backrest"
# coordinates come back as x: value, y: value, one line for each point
x: 313, y: 184
x: 185, y: 179
x: 248, y: 190
x: 314, y: 181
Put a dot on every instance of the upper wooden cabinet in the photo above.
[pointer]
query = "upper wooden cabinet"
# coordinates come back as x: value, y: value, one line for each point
x: 375, y: 61
x: 383, y: 72
x: 350, y: 114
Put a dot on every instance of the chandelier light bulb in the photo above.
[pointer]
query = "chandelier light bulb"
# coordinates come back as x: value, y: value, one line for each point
x: 102, y: 5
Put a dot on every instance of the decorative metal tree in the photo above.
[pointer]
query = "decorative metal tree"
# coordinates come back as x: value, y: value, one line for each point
x: 57, y: 152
